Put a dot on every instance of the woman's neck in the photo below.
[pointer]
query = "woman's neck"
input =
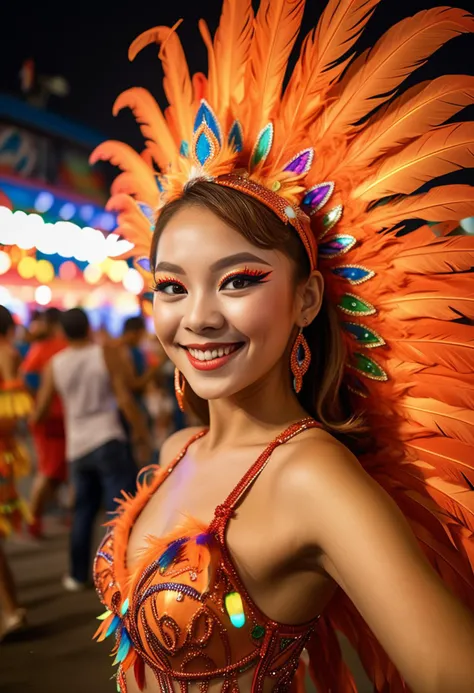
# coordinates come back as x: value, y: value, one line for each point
x: 255, y: 414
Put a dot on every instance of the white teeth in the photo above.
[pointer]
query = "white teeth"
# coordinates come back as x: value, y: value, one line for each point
x: 210, y: 354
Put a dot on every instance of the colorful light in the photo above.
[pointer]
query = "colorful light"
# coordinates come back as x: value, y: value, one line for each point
x: 92, y: 274
x: 67, y: 271
x: 67, y: 211
x: 44, y: 271
x: 133, y: 282
x: 43, y: 295
x: 117, y: 271
x: 27, y: 267
x: 86, y: 213
x: 5, y: 262
x: 44, y: 202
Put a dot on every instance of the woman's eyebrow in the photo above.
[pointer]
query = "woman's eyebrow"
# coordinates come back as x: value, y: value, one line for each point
x: 236, y: 259
x: 221, y: 264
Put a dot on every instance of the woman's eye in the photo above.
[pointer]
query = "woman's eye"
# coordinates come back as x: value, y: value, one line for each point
x: 243, y: 281
x: 238, y: 283
x: 169, y: 288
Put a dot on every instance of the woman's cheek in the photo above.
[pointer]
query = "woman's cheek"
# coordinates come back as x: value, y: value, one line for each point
x: 165, y: 320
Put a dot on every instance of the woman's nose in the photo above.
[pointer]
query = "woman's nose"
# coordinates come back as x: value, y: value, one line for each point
x: 202, y: 313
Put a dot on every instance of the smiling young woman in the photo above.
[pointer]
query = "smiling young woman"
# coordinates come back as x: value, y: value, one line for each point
x: 328, y: 355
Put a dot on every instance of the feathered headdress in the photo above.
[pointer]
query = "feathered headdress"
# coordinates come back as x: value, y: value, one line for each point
x: 341, y: 156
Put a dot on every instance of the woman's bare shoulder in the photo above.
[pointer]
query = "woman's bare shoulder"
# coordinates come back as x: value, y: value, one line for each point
x: 176, y: 442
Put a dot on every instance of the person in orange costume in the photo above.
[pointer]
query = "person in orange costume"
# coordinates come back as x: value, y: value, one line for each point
x: 328, y: 346
x: 48, y: 435
x: 15, y: 404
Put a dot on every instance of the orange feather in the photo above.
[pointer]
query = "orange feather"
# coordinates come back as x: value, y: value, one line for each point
x: 276, y: 27
x: 438, y: 204
x: 320, y: 62
x: 419, y: 109
x: 435, y: 416
x: 139, y: 179
x: 444, y: 149
x: 432, y: 342
x: 177, y: 82
x: 231, y: 49
x: 374, y: 75
x: 448, y: 299
x: 153, y: 125
x: 212, y: 93
x: 454, y: 254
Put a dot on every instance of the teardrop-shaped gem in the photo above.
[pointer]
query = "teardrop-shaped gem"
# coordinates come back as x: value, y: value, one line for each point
x: 184, y: 148
x: 353, y: 305
x: 338, y: 245
x: 262, y: 146
x: 330, y: 220
x: 258, y: 632
x: 356, y: 386
x: 301, y: 163
x: 368, y: 367
x: 203, y: 148
x: 316, y: 197
x: 355, y: 274
x: 364, y: 335
x: 236, y: 136
x: 206, y: 114
x: 235, y: 609
x: 143, y: 263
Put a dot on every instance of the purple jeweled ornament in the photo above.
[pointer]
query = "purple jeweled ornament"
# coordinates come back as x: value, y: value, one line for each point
x: 301, y: 163
x: 338, y: 245
x: 316, y: 197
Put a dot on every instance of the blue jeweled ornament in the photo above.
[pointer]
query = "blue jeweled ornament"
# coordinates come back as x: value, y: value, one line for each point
x: 203, y: 148
x: 353, y: 273
x: 206, y: 114
x: 236, y: 136
x: 363, y: 335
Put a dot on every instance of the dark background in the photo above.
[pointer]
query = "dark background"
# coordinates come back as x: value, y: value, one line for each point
x: 87, y: 42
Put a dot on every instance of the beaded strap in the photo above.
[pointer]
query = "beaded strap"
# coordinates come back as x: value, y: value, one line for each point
x: 224, y: 511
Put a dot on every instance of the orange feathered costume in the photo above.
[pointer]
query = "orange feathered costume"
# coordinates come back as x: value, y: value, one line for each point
x: 343, y: 144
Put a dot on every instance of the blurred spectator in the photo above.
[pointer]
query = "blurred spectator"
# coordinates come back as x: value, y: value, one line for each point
x: 14, y: 403
x: 48, y: 436
x: 89, y: 380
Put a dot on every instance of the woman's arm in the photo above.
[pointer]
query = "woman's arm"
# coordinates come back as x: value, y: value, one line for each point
x: 370, y: 551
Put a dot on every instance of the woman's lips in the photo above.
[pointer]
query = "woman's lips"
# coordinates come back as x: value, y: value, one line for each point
x: 213, y: 357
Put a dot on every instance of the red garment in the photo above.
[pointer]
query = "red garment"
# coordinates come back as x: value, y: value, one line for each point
x: 184, y: 611
x: 48, y: 435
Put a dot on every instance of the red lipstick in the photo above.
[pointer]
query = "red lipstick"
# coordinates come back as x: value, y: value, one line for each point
x: 213, y: 363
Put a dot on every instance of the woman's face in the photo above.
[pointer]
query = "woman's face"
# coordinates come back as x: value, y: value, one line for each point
x: 224, y: 309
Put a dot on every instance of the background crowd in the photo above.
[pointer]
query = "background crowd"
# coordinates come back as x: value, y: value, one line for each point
x: 100, y: 408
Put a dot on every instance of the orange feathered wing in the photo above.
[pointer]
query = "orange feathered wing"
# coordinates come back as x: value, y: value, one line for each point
x: 405, y: 297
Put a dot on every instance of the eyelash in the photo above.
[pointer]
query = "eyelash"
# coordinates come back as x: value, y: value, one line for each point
x: 252, y: 276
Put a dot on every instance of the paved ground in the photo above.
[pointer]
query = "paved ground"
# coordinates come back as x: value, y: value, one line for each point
x: 56, y: 654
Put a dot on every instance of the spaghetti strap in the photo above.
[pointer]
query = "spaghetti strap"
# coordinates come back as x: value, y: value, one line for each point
x: 224, y: 511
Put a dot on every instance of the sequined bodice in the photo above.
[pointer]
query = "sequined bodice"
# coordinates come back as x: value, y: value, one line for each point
x: 183, y: 610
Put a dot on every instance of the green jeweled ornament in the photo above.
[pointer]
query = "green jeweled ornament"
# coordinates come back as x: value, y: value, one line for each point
x: 330, y: 219
x: 368, y: 367
x: 363, y: 335
x: 262, y: 146
x: 353, y: 305
x: 258, y: 632
x: 285, y: 642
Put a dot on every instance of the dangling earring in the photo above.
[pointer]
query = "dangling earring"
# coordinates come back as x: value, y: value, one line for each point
x: 179, y: 385
x: 300, y: 360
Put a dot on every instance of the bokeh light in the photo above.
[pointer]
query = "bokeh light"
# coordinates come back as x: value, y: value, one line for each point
x: 43, y: 295
x: 27, y: 267
x: 68, y: 271
x: 92, y: 274
x: 5, y: 262
x: 44, y: 271
x: 133, y: 282
x: 44, y: 202
x: 117, y: 271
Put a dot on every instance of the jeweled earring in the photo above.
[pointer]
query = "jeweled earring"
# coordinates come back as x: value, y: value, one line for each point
x: 300, y: 360
x: 179, y: 385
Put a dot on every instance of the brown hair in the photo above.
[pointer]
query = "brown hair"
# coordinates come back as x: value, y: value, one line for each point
x: 324, y: 394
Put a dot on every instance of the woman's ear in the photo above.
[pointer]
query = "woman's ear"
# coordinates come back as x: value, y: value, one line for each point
x: 311, y: 297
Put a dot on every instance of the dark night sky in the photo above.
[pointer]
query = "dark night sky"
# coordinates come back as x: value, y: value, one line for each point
x: 87, y: 43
